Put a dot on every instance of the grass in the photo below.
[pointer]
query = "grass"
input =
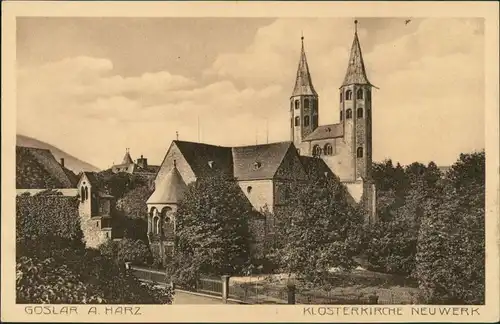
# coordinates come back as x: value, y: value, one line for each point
x: 344, y: 287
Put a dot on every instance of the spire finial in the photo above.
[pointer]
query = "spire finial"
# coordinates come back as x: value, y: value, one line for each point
x: 302, y: 36
x: 356, y: 26
x: 177, y: 135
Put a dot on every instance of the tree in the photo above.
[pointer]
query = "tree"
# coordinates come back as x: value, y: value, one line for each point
x: 212, y: 231
x: 318, y: 230
x: 127, y: 250
x: 451, y: 244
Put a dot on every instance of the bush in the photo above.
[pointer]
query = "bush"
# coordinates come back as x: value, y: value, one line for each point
x: 127, y: 250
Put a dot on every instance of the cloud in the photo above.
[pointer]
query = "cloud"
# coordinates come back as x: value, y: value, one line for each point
x: 430, y: 104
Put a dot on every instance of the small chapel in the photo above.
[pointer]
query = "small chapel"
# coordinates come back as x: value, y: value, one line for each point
x: 264, y: 172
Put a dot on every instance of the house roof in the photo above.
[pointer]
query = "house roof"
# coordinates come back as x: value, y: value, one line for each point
x: 315, y: 167
x: 303, y: 81
x: 127, y: 159
x: 356, y: 73
x: 258, y: 161
x: 38, y: 169
x: 207, y: 160
x: 170, y: 190
x: 92, y: 179
x: 326, y: 131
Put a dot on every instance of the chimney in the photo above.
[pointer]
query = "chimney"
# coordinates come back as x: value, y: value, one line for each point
x: 62, y: 162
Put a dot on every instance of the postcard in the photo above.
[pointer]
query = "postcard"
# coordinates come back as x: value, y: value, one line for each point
x: 250, y: 161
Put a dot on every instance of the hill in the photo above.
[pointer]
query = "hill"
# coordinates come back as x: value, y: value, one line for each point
x: 74, y: 164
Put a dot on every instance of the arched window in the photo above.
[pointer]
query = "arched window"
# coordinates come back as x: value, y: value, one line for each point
x: 168, y: 227
x: 359, y: 152
x: 306, y: 121
x: 315, y: 120
x: 359, y: 94
x: 306, y: 103
x: 328, y: 149
x: 297, y: 104
x: 86, y: 193
x: 348, y: 95
x: 156, y: 225
x: 348, y: 114
x: 316, y: 150
x: 341, y: 97
x: 360, y: 113
x: 82, y: 198
x: 297, y: 121
x: 341, y: 115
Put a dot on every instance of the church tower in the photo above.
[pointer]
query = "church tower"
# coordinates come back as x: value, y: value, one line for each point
x: 303, y: 103
x: 356, y: 112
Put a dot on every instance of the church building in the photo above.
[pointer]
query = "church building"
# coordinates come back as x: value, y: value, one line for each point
x: 265, y: 171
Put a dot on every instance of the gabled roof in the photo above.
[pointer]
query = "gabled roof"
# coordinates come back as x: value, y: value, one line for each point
x: 326, y: 131
x: 207, y: 160
x: 92, y: 179
x: 356, y: 73
x: 38, y: 169
x: 170, y: 190
x: 315, y: 167
x: 303, y: 81
x: 258, y: 161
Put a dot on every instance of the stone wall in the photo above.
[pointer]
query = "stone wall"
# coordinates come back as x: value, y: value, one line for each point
x: 259, y: 192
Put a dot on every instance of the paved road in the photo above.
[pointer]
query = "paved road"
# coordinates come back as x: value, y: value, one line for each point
x: 182, y: 298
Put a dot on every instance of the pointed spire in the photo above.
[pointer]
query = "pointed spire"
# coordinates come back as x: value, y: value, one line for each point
x: 303, y: 82
x: 127, y: 159
x: 356, y: 73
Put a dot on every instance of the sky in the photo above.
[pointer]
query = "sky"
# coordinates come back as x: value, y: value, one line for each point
x: 96, y: 86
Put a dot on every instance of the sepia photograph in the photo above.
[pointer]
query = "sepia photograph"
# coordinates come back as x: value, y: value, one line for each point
x: 251, y: 160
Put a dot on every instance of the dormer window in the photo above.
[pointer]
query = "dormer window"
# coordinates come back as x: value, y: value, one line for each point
x: 257, y: 165
x: 211, y: 164
x: 249, y: 189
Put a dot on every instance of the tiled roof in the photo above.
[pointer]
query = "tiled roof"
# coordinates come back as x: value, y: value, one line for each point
x: 92, y: 179
x: 326, y: 131
x: 356, y: 73
x: 207, y: 160
x: 38, y: 169
x: 171, y: 189
x: 258, y: 161
x: 303, y: 81
x: 315, y: 167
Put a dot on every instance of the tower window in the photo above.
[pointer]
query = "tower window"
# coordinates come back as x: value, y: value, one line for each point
x: 348, y: 95
x: 360, y: 113
x: 82, y: 194
x: 341, y: 97
x: 306, y: 103
x: 328, y: 149
x: 359, y: 152
x: 306, y: 120
x: 348, y: 114
x: 297, y: 104
x: 359, y: 94
x: 297, y: 121
x: 316, y: 150
x: 156, y: 225
x: 341, y: 115
x: 86, y: 193
x: 315, y: 120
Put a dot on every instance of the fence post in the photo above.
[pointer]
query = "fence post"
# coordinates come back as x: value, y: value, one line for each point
x: 291, y: 292
x: 225, y: 288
